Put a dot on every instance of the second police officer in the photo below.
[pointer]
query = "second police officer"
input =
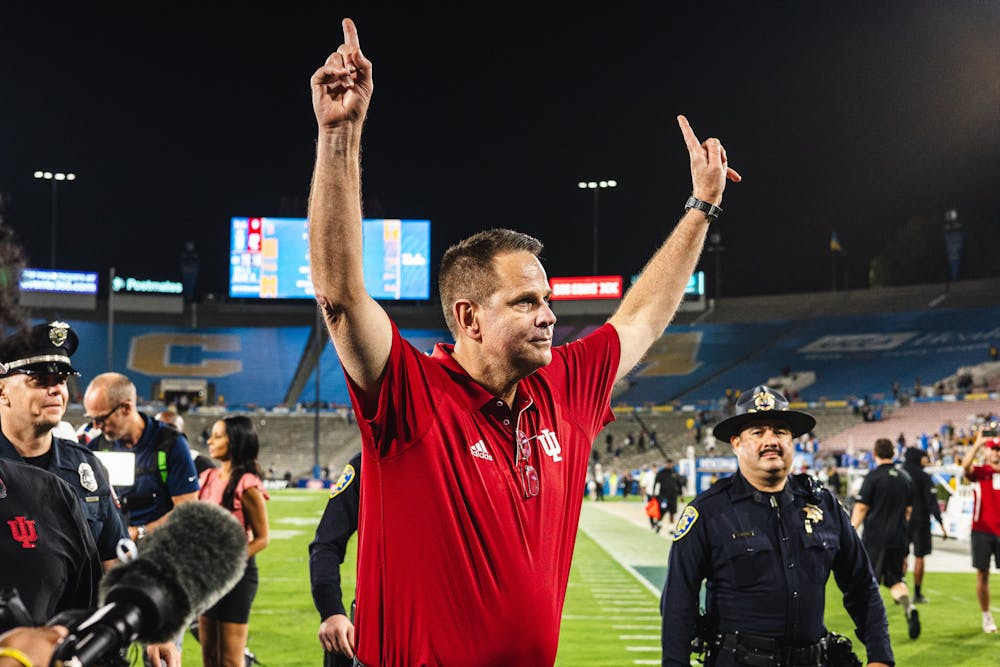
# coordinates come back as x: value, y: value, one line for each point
x: 765, y: 542
x: 33, y: 400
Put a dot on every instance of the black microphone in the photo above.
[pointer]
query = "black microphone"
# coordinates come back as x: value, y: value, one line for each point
x: 183, y: 568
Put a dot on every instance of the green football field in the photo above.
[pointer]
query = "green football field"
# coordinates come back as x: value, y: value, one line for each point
x: 611, y: 615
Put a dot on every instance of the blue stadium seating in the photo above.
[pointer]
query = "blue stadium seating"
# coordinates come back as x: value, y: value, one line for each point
x: 850, y: 355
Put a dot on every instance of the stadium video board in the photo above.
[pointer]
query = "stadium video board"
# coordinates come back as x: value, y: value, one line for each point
x: 269, y: 258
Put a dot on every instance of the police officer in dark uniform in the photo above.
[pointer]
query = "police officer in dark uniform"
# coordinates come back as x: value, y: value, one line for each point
x: 764, y: 542
x: 326, y: 554
x: 46, y: 549
x: 33, y: 399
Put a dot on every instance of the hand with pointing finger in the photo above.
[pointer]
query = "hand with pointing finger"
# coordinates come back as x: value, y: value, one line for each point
x: 709, y: 165
x: 342, y: 87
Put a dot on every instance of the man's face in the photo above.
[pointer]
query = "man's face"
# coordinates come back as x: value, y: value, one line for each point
x: 764, y: 449
x: 105, y: 415
x: 516, y: 322
x: 993, y: 456
x: 35, y: 400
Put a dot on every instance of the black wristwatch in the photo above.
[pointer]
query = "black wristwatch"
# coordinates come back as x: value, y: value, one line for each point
x: 711, y: 210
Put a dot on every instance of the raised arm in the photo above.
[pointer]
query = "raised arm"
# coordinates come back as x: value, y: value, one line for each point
x: 651, y: 302
x: 360, y: 329
x: 969, y: 460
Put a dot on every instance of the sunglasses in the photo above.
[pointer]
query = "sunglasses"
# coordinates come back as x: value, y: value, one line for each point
x: 525, y: 471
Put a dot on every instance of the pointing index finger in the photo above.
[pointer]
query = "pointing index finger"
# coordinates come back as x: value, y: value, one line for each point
x: 351, y: 35
x: 689, y: 136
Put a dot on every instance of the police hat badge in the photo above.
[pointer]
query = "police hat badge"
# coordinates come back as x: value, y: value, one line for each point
x: 45, y: 349
x: 760, y: 403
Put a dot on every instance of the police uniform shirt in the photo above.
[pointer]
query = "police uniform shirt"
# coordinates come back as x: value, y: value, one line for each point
x: 46, y: 549
x: 326, y: 552
x: 182, y: 477
x: 766, y: 559
x: 887, y: 491
x: 78, y: 467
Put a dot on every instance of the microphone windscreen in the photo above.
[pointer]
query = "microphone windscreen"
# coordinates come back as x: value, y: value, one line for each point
x: 190, y: 561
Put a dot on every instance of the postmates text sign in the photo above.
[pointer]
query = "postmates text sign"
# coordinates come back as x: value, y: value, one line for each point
x: 587, y: 287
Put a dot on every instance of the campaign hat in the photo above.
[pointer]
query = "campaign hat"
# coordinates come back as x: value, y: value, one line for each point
x: 759, y: 403
x: 44, y: 349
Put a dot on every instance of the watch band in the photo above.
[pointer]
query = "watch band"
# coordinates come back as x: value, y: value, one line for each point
x: 711, y: 210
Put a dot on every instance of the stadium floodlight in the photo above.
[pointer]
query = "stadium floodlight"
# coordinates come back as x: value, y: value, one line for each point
x: 596, y: 186
x: 56, y: 177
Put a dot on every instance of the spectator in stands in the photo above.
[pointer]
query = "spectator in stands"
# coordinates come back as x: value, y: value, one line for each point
x: 326, y: 555
x: 994, y: 352
x: 883, y: 507
x: 532, y: 411
x: 985, y: 537
x: 761, y: 544
x: 235, y: 485
x: 925, y: 505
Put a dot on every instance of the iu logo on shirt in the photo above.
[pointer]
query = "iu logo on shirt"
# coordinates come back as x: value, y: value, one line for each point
x: 23, y: 531
x: 550, y: 444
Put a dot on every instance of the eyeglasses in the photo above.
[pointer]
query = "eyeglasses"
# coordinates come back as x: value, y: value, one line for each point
x: 98, y: 421
x: 525, y: 471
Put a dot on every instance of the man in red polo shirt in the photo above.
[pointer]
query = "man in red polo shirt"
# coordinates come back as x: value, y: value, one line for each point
x: 473, y: 458
x: 985, y: 515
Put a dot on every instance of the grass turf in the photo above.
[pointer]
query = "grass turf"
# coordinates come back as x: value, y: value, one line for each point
x: 610, y: 618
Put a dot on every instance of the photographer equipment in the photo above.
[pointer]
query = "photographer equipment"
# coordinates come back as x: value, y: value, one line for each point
x: 183, y: 568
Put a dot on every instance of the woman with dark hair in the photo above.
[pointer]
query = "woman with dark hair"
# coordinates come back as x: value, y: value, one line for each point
x: 236, y: 485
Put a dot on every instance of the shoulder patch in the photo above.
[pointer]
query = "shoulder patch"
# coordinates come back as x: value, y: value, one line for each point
x: 685, y: 522
x: 345, y: 480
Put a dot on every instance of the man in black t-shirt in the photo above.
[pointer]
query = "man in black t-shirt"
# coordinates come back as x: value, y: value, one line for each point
x: 883, y: 506
x: 925, y: 505
x: 48, y: 553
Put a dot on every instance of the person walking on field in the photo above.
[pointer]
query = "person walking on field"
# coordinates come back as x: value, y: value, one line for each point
x: 985, y: 516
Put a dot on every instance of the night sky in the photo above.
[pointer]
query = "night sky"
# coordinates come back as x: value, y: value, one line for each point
x: 839, y: 115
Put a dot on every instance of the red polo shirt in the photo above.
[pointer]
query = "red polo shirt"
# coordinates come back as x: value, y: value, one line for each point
x: 456, y: 566
x: 986, y: 509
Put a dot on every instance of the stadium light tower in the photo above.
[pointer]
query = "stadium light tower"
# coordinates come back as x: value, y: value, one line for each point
x: 56, y: 177
x: 596, y: 187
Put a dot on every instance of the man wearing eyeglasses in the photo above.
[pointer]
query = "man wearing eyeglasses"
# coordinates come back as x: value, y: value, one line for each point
x: 165, y: 474
x: 33, y: 398
x: 473, y: 457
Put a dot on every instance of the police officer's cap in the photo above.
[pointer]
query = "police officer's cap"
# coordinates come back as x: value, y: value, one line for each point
x: 762, y: 403
x: 45, y: 349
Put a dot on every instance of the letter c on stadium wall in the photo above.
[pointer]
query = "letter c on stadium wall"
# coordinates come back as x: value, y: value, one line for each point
x: 150, y: 354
